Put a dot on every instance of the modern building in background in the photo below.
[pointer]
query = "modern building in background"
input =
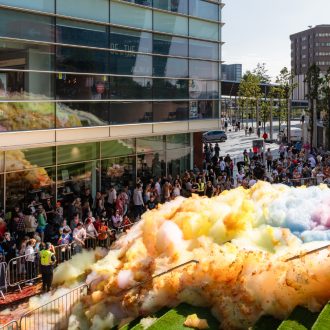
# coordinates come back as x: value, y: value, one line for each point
x: 309, y: 47
x: 232, y: 72
x: 96, y: 93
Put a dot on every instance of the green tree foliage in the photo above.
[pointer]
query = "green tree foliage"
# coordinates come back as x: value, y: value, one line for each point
x: 249, y: 92
x: 313, y: 81
x: 325, y: 100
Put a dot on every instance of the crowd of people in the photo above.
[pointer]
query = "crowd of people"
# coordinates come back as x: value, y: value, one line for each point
x: 103, y: 217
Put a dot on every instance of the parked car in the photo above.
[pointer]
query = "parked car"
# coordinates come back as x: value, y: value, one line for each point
x: 214, y: 136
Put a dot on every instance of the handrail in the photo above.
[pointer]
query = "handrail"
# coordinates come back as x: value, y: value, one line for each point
x: 12, y: 325
x: 158, y: 275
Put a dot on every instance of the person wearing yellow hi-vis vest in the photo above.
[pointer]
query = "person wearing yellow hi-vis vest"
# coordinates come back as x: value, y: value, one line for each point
x: 201, y: 187
x: 47, y: 261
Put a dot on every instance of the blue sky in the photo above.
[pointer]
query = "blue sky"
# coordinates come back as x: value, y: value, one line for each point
x: 259, y: 30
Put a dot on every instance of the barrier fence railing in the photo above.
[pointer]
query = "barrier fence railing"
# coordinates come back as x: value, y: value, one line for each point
x: 303, y: 182
x: 12, y: 325
x: 3, y: 278
x: 55, y: 314
x: 23, y: 269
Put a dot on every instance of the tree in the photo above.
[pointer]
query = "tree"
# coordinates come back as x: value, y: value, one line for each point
x: 284, y: 91
x: 250, y: 93
x: 261, y: 72
x: 313, y: 81
x: 325, y: 101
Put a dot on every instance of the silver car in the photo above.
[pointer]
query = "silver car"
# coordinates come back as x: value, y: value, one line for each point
x: 214, y: 136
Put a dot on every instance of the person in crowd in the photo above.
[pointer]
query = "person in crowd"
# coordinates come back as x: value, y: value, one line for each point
x: 9, y: 247
x: 79, y: 237
x: 30, y: 259
x: 117, y: 220
x: 42, y: 222
x: 138, y: 202
x: 103, y: 234
x: 99, y: 203
x: 30, y: 223
x: 3, y: 229
x: 87, y: 198
x: 64, y: 226
x: 49, y: 210
x: 75, y: 221
x: 111, y: 198
x: 47, y: 262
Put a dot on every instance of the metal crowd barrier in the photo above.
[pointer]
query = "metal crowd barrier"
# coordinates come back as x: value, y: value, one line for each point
x: 3, y: 278
x: 55, y: 314
x: 304, y: 182
x: 20, y: 270
x: 93, y: 242
x: 12, y: 325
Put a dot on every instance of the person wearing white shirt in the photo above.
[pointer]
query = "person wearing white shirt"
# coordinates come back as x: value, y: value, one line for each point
x: 30, y: 257
x: 79, y: 236
x: 112, y: 197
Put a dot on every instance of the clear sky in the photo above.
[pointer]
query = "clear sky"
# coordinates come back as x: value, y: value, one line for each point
x: 259, y: 30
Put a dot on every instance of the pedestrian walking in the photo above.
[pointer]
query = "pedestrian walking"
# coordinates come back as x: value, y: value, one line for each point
x: 47, y: 260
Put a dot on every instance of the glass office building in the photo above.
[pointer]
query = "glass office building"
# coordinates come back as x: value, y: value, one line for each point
x: 100, y: 92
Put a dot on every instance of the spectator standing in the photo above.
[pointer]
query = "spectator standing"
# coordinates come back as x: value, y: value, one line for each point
x: 138, y: 201
x: 79, y: 237
x: 30, y: 260
x: 47, y: 260
x: 31, y: 224
x: 9, y: 247
x: 42, y: 222
x: 112, y: 197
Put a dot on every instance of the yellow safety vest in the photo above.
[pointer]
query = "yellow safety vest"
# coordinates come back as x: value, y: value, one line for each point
x: 46, y: 257
x: 201, y: 187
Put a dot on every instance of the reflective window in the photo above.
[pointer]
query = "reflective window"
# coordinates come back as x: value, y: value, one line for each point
x: 26, y: 116
x: 150, y: 166
x: 130, y: 64
x: 204, y: 109
x: 21, y: 25
x: 170, y: 23
x: 203, y: 30
x: 170, y: 89
x: 176, y: 141
x: 149, y: 144
x: 22, y: 85
x: 130, y: 40
x: 78, y: 114
x: 121, y: 13
x: 23, y: 187
x: 170, y: 67
x: 180, y: 6
x: 81, y: 60
x: 204, y: 9
x: 118, y: 172
x: 120, y: 147
x: 81, y: 33
x: 203, y: 89
x: 170, y: 111
x: 168, y: 45
x: 74, y: 179
x: 97, y: 10
x: 130, y: 88
x: 203, y: 49
x: 203, y: 69
x: 141, y: 2
x: 19, y: 55
x: 130, y: 112
x: 41, y: 5
x: 82, y: 87
x: 18, y: 160
x: 73, y: 153
x: 178, y: 161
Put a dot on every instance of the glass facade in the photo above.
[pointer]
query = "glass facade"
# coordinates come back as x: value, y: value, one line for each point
x: 62, y: 173
x: 107, y: 62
